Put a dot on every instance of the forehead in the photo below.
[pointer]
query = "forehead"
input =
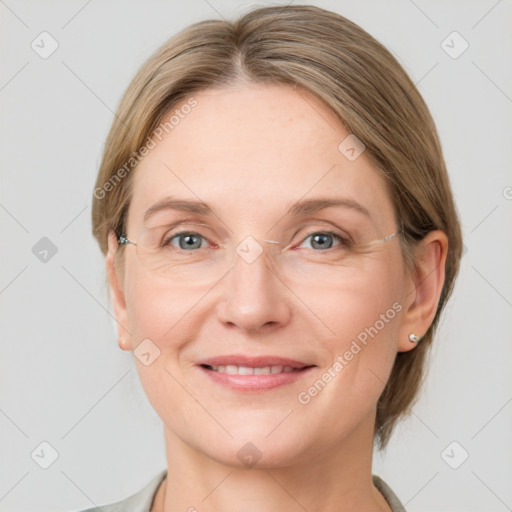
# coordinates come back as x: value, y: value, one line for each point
x: 255, y: 148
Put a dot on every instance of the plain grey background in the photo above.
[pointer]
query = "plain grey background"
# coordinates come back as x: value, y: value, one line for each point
x: 65, y: 382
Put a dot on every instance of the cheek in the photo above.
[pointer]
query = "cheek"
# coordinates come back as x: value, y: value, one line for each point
x: 360, y: 355
x: 364, y: 315
x: 163, y: 315
x: 157, y: 310
x: 367, y: 301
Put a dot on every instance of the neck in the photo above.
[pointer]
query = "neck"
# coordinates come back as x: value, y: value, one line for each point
x: 338, y: 480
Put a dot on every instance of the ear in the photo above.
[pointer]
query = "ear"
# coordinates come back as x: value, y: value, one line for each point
x: 115, y: 278
x: 423, y: 288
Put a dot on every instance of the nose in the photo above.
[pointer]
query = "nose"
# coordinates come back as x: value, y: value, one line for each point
x: 254, y: 298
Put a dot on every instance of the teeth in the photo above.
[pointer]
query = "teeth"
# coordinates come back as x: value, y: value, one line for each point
x: 247, y: 370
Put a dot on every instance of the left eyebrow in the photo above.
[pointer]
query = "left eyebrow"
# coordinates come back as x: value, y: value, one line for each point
x: 309, y: 206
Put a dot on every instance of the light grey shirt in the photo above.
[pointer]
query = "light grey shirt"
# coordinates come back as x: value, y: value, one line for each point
x: 143, y: 500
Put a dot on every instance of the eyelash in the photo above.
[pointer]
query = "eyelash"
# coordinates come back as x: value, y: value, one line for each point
x: 343, y: 241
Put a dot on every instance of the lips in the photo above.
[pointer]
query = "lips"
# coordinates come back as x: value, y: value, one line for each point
x: 253, y: 373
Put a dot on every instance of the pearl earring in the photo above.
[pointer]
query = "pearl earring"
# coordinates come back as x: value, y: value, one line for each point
x: 414, y: 338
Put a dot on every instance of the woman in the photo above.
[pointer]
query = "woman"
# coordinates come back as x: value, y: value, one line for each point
x: 280, y: 240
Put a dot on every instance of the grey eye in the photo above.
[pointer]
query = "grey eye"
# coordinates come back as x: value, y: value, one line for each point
x: 323, y: 240
x: 187, y: 241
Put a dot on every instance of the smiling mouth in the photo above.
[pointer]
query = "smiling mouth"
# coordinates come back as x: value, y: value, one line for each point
x: 247, y: 374
x: 249, y: 370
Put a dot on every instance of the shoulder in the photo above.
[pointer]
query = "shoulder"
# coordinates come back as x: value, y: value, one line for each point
x: 141, y: 501
x: 389, y: 495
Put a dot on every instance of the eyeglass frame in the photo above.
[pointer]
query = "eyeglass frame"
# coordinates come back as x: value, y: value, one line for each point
x: 122, y: 240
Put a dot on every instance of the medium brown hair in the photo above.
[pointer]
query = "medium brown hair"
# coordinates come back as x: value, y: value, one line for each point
x: 358, y: 79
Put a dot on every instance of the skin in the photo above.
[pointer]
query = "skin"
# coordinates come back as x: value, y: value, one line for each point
x: 249, y: 152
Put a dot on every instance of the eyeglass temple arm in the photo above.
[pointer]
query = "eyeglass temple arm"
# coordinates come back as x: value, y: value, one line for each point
x: 122, y: 240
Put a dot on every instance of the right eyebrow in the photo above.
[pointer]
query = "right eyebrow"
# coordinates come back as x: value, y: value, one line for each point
x: 195, y: 207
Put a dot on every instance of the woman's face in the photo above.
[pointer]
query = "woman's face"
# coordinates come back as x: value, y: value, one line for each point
x: 331, y: 313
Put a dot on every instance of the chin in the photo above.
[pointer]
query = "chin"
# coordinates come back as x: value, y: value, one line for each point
x: 252, y: 448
